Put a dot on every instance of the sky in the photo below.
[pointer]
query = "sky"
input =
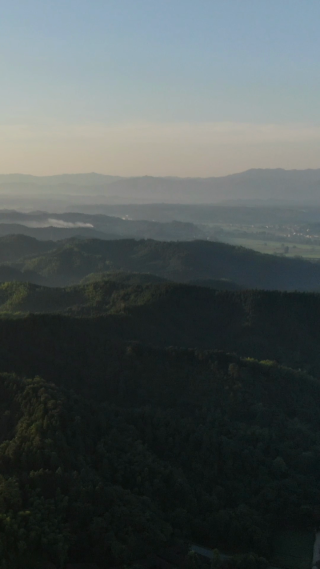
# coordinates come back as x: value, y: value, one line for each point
x: 159, y: 87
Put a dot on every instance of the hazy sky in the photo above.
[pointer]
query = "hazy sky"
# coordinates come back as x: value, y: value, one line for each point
x: 159, y: 87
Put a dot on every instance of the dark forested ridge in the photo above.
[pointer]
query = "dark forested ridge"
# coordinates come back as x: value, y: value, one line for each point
x: 166, y: 445
x: 262, y: 324
x: 15, y: 247
x: 132, y: 278
x: 104, y: 293
x: 12, y: 275
x: 71, y: 261
x: 114, y: 445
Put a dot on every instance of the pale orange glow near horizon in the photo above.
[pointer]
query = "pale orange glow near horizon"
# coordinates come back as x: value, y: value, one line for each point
x: 173, y: 149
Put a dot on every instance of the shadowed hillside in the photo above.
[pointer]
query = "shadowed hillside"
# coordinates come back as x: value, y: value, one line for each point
x: 178, y: 261
x: 129, y: 279
x: 15, y: 247
x: 159, y: 445
x: 264, y: 325
x: 120, y: 446
x: 10, y: 274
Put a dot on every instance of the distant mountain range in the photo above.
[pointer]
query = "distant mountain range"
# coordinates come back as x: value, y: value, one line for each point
x: 277, y: 185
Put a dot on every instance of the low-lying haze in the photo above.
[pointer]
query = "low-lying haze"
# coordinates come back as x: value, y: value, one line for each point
x: 155, y: 149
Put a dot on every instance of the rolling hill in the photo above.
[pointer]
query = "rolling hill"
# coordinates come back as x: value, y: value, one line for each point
x: 15, y: 247
x: 265, y: 325
x: 12, y: 275
x: 52, y: 233
x: 128, y: 279
x: 70, y: 262
x: 135, y: 418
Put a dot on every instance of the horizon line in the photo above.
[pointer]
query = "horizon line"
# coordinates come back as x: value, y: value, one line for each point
x: 169, y: 176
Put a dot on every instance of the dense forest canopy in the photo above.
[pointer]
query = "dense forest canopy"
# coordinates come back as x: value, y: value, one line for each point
x: 135, y: 413
x: 68, y: 262
x: 262, y: 324
x: 160, y: 446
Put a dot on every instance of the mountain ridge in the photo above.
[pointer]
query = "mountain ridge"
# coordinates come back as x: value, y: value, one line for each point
x: 179, y: 261
x: 251, y: 184
x: 69, y: 261
x: 270, y: 325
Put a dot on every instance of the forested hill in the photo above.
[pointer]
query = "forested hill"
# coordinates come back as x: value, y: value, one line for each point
x: 261, y: 324
x: 15, y: 247
x: 149, y: 447
x: 112, y: 293
x: 71, y: 261
x: 119, y: 446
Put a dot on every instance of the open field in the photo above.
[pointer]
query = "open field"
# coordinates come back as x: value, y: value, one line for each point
x: 276, y: 248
